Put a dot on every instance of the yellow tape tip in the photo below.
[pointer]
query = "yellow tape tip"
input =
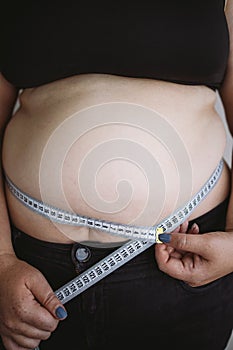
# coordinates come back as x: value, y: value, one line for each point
x: 159, y: 230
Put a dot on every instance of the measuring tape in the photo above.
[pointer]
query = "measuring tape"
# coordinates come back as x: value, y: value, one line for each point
x: 145, y: 236
x: 144, y: 233
x: 131, y: 249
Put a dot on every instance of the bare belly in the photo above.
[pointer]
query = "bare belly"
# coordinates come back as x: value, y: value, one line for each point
x: 119, y: 149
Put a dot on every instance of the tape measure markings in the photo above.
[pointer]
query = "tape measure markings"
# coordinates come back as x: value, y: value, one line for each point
x: 145, y: 236
x: 121, y: 230
x: 131, y: 249
x: 101, y: 269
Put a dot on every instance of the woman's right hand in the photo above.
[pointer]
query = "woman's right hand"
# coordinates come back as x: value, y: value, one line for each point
x: 29, y: 309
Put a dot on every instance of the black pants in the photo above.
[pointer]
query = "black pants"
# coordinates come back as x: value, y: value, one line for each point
x: 137, y: 305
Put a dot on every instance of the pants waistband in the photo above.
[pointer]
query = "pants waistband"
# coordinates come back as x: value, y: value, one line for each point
x: 213, y: 220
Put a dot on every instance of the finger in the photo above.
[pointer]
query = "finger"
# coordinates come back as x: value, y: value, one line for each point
x: 46, y: 297
x: 20, y: 343
x: 198, y: 261
x: 181, y: 228
x: 32, y: 332
x: 177, y: 229
x: 161, y: 253
x: 35, y: 325
x: 194, y: 229
x: 188, y: 242
x: 184, y: 227
x: 164, y: 252
x: 188, y: 261
x: 170, y: 250
x: 177, y: 254
x: 173, y: 266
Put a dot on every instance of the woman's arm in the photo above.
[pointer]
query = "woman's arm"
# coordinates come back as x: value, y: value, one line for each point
x: 226, y: 93
x: 8, y: 95
x: 200, y: 259
x: 29, y: 310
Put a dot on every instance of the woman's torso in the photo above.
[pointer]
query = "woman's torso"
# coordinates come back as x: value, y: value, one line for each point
x: 132, y: 132
x: 120, y: 149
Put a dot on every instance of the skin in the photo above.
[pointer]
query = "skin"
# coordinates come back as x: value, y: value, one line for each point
x: 19, y: 327
x: 29, y: 315
x: 206, y: 257
x: 196, y: 259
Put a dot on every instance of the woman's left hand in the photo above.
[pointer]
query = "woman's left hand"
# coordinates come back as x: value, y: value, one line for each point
x: 197, y: 259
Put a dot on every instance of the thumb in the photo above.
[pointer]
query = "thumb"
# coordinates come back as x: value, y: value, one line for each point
x: 44, y: 294
x: 187, y: 242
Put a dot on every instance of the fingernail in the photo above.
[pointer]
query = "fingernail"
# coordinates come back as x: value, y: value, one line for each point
x: 165, y: 237
x: 60, y: 312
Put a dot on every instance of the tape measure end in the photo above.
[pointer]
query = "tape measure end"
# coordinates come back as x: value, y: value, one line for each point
x: 159, y: 230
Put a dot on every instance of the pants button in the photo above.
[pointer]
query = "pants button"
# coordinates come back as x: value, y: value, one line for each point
x: 82, y: 254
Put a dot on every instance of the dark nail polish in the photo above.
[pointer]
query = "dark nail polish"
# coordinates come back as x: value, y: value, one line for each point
x: 60, y: 312
x: 165, y: 237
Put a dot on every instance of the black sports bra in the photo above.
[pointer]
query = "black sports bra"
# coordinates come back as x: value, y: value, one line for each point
x: 174, y: 40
